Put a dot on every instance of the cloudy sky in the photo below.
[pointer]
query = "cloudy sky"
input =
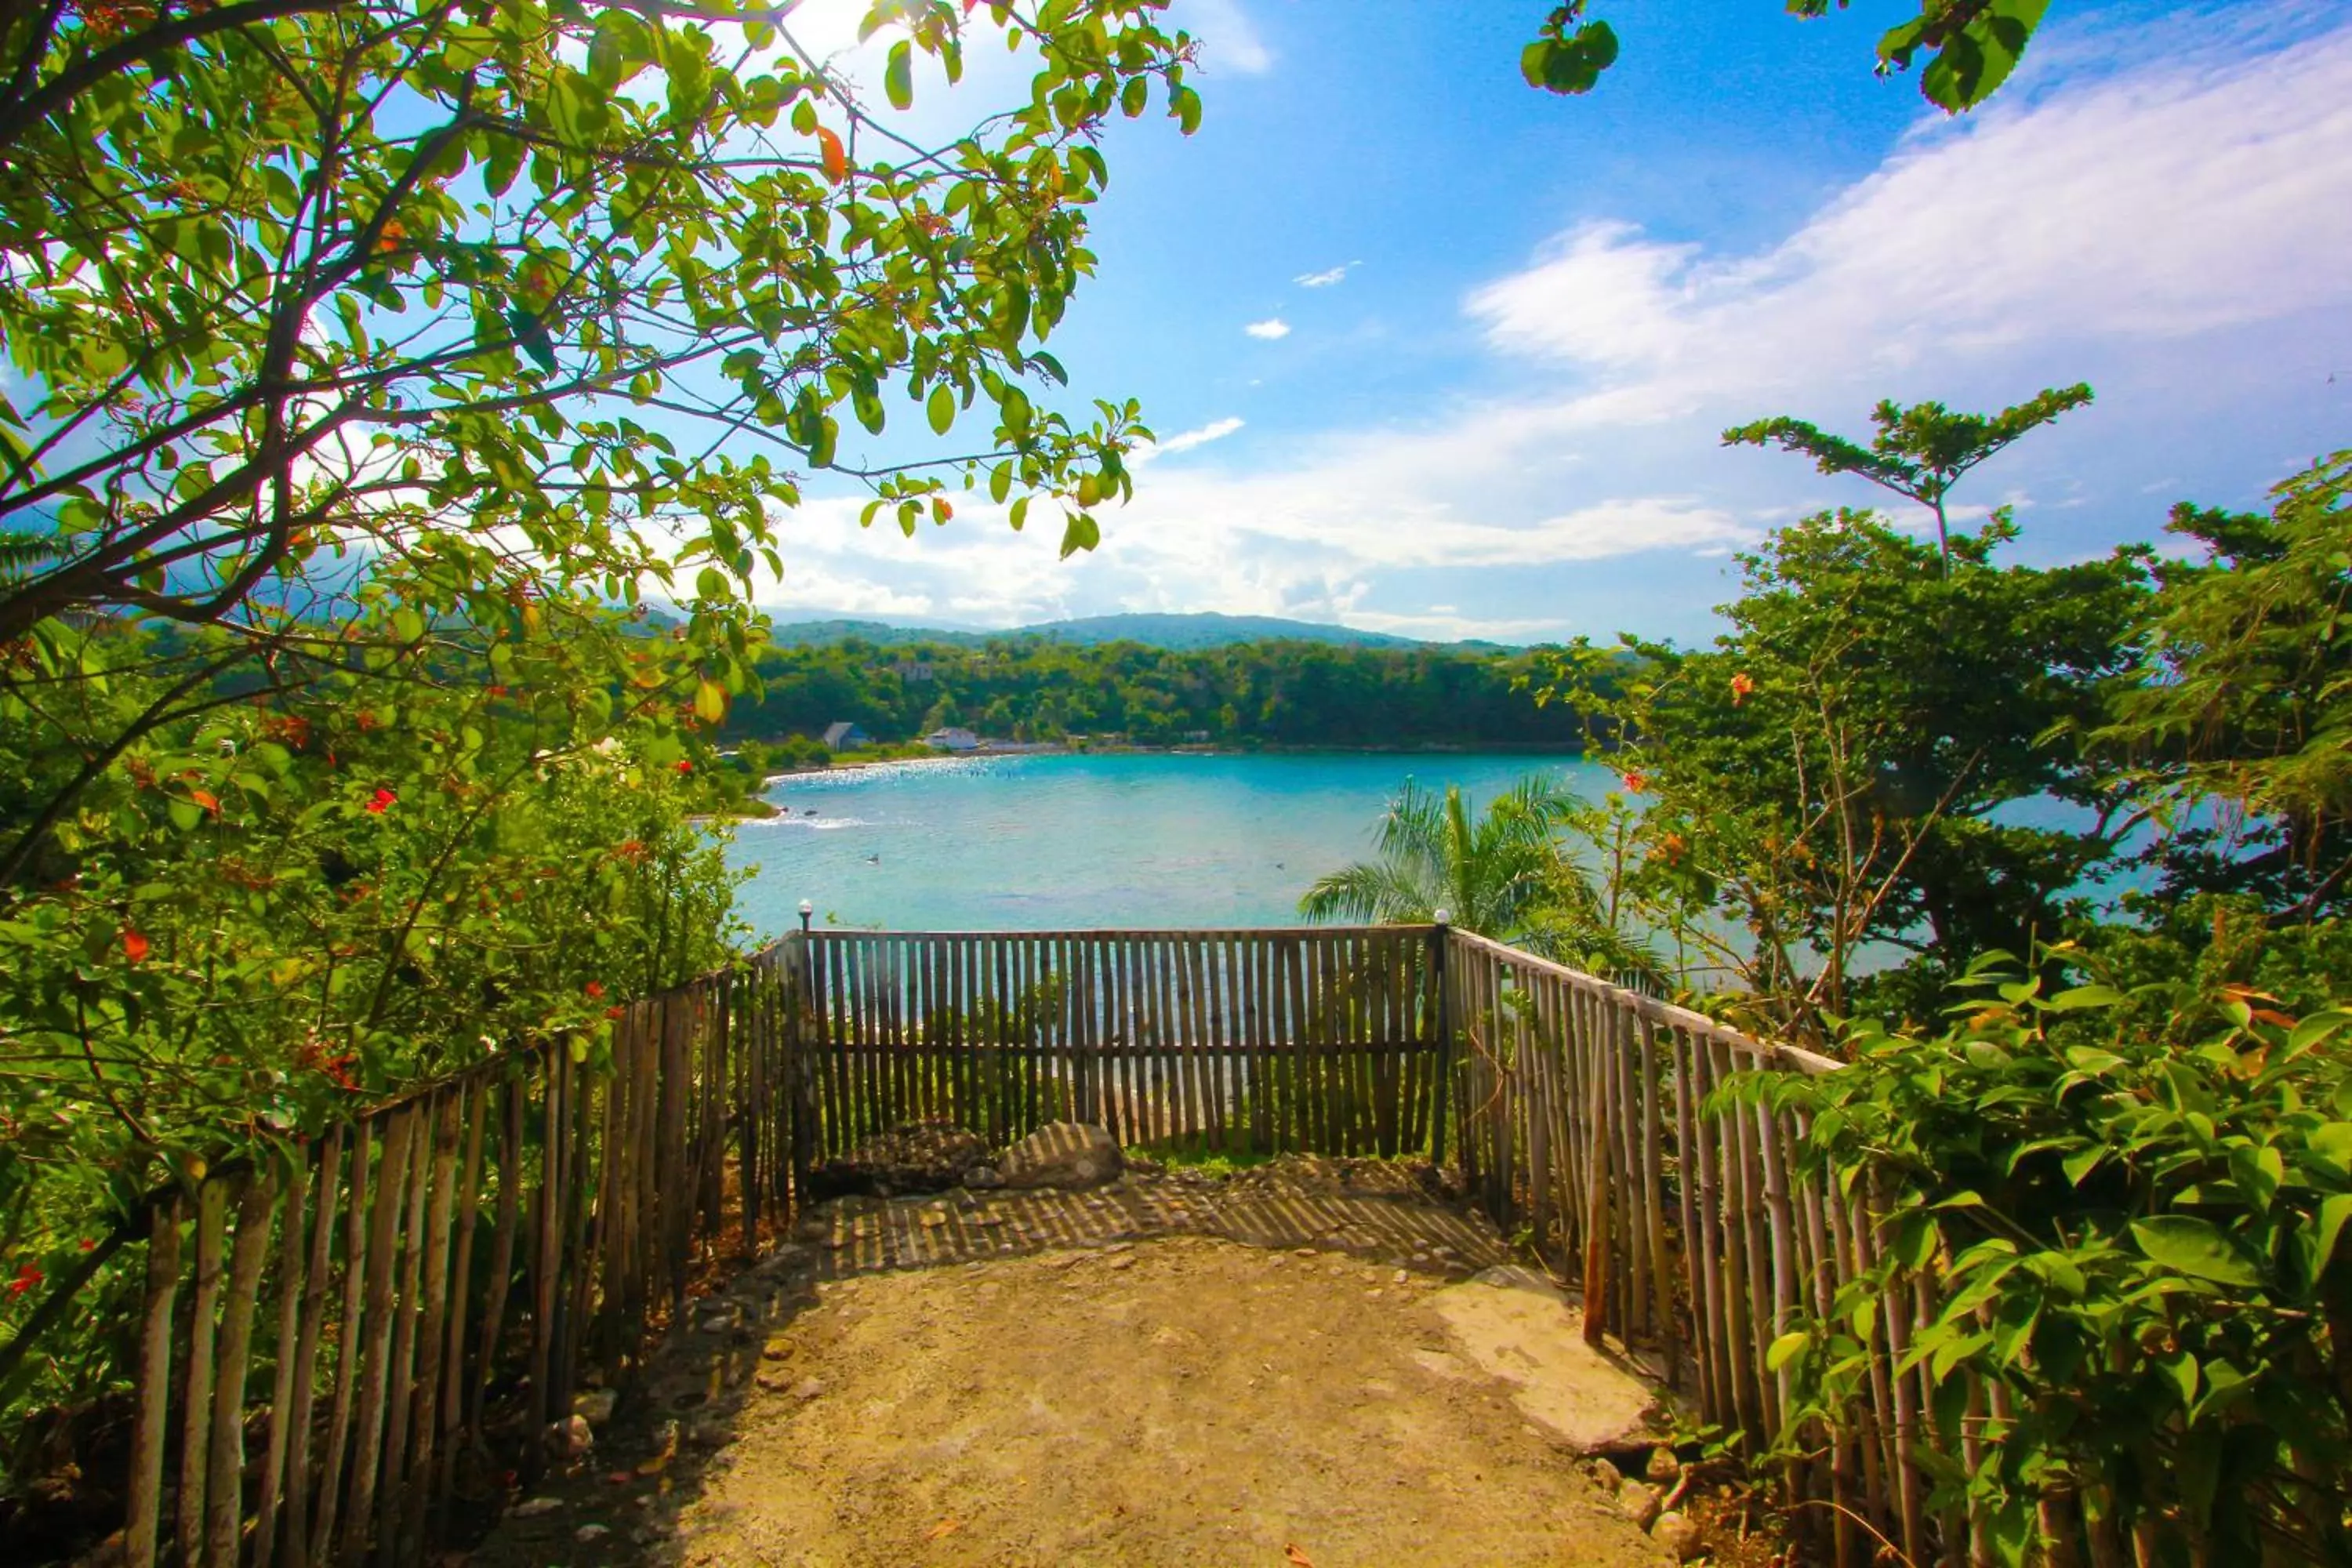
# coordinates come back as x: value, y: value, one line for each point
x: 1433, y: 353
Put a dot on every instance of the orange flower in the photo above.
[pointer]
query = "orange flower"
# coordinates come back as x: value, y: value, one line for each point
x: 1637, y: 781
x: 1740, y: 687
x: 135, y: 947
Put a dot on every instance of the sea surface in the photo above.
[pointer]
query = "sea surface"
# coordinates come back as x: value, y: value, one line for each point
x: 1074, y: 842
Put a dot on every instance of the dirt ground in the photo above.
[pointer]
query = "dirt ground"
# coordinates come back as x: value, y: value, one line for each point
x: 979, y: 1383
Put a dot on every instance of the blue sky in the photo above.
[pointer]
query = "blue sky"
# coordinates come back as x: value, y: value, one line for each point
x: 1511, y: 326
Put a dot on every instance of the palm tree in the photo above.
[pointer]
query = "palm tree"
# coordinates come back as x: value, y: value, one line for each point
x: 1502, y: 874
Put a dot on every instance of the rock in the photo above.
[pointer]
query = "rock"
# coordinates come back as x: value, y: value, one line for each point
x: 1638, y: 1501
x: 1663, y: 1469
x: 915, y: 1157
x: 1678, y: 1533
x: 588, y: 1532
x: 570, y: 1438
x: 1606, y: 1475
x: 1061, y: 1154
x: 777, y: 1350
x: 532, y: 1508
x: 980, y: 1178
x: 595, y: 1405
x: 665, y: 1449
x: 808, y: 1388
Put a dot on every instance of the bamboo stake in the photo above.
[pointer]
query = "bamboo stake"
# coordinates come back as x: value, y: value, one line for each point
x: 306, y: 1351
x: 224, y: 1507
x: 291, y: 1281
x: 402, y: 1382
x: 145, y: 1491
x: 211, y: 1219
x: 349, y: 1327
x: 391, y: 1185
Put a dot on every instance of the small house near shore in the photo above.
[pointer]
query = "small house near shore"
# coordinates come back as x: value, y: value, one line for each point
x: 952, y: 740
x: 845, y: 736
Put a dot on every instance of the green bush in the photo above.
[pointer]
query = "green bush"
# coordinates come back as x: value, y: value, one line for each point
x: 2135, y: 1227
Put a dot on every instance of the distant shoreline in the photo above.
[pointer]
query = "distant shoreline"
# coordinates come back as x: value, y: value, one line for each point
x: 1491, y: 749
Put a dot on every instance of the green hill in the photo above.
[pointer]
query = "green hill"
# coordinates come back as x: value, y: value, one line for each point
x: 1175, y: 631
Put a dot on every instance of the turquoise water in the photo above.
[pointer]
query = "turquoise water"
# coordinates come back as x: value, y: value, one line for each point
x: 1069, y: 842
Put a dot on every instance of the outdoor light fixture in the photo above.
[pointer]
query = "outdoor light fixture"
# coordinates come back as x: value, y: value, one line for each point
x: 808, y: 908
x: 1440, y: 916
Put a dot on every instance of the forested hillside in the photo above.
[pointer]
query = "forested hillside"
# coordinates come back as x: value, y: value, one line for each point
x: 1267, y: 693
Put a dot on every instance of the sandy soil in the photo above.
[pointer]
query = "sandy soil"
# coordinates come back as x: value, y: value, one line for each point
x: 1187, y: 1401
x: 1262, y: 1371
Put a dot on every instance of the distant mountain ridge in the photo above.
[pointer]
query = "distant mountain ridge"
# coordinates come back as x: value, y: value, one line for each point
x: 1178, y: 632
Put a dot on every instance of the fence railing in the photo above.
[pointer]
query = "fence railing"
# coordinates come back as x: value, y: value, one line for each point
x: 1323, y: 1040
x: 399, y: 1314
x: 408, y: 1301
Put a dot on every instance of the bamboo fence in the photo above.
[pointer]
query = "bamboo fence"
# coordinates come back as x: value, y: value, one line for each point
x: 346, y: 1348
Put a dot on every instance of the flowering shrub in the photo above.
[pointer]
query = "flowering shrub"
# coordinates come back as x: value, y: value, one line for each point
x: 305, y: 900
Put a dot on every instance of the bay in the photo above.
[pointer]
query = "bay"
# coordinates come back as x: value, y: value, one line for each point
x: 1088, y: 841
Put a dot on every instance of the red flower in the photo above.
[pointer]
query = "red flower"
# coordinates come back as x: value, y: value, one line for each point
x: 134, y: 947
x: 27, y: 1278
x: 88, y: 1245
x: 380, y: 802
x: 595, y: 989
x: 684, y: 766
x: 1740, y: 687
x: 615, y: 1012
x: 1637, y: 781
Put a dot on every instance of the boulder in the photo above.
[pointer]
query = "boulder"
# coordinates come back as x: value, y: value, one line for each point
x: 1638, y: 1501
x: 1061, y: 1154
x: 1678, y: 1533
x: 916, y: 1157
x: 571, y: 1438
x: 1663, y: 1469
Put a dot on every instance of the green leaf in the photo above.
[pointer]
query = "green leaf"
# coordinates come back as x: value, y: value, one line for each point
x: 2333, y: 1213
x: 2196, y: 1247
x: 1786, y: 1349
x: 942, y: 408
x: 898, y: 75
x: 2182, y: 1370
x: 1080, y: 533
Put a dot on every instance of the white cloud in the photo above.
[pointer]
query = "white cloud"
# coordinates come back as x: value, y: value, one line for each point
x: 2174, y: 231
x: 1185, y: 440
x: 1327, y: 277
x: 2153, y: 206
x: 1229, y: 39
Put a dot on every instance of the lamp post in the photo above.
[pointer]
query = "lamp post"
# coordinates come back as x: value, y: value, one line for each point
x: 808, y: 908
